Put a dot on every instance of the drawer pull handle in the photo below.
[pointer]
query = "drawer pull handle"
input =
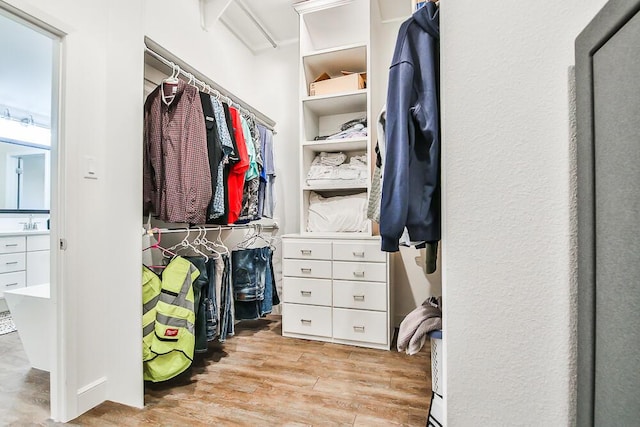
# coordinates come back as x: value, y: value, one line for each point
x: 358, y: 297
x: 358, y: 328
x: 11, y: 263
x: 306, y: 270
x: 305, y: 293
x: 305, y: 321
x: 305, y: 251
x: 359, y: 254
x: 358, y: 273
x: 11, y: 284
x: 11, y: 245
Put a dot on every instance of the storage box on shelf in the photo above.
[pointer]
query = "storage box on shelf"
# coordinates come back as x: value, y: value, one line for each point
x: 336, y: 291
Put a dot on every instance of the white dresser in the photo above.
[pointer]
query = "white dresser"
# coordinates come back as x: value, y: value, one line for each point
x: 24, y: 261
x: 336, y: 290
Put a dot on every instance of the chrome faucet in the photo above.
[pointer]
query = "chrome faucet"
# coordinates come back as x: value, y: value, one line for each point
x: 31, y: 225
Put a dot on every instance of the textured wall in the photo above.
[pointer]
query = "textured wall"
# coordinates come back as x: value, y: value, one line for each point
x: 509, y: 193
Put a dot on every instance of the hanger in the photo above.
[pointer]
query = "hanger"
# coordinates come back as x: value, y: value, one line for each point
x: 218, y: 243
x: 253, y: 237
x: 157, y: 246
x: 208, y: 245
x: 187, y: 244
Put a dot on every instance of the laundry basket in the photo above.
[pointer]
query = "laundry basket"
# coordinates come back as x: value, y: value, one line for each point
x: 436, y: 408
x: 436, y: 361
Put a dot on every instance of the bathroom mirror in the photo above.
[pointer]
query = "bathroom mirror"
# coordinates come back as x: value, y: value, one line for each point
x: 24, y: 177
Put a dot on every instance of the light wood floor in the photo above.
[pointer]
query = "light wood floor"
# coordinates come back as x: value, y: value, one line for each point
x: 259, y: 378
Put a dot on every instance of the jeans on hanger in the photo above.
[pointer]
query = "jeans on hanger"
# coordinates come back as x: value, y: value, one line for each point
x: 249, y: 273
x: 200, y: 290
x: 211, y: 304
x: 251, y: 310
x: 227, y: 327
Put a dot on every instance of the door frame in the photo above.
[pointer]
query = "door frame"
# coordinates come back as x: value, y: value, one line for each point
x: 61, y: 394
x: 613, y: 16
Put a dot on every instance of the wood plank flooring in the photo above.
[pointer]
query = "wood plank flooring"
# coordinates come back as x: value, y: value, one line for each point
x: 259, y: 378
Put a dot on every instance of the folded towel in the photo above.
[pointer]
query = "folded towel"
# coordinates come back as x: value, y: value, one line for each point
x: 416, y: 325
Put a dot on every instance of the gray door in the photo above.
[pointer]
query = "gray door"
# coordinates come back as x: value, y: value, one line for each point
x: 612, y: 309
x: 616, y: 70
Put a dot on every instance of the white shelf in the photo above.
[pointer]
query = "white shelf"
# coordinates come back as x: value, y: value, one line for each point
x: 335, y: 60
x: 337, y: 103
x: 336, y: 187
x: 337, y: 235
x: 329, y: 145
x: 394, y: 10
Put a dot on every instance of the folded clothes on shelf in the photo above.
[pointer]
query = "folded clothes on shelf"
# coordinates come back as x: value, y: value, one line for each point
x: 331, y: 169
x: 352, y: 129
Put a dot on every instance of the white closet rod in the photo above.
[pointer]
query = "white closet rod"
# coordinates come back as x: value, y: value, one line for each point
x: 256, y: 226
x: 198, y: 78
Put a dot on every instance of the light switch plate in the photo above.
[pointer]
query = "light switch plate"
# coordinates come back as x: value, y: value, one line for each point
x: 90, y: 167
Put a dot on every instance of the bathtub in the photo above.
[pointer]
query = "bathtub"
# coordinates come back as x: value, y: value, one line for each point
x: 32, y: 314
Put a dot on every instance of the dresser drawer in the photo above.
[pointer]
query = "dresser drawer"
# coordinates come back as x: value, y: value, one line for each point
x: 12, y: 262
x: 362, y: 295
x: 358, y: 251
x: 41, y: 242
x: 358, y: 325
x: 306, y: 291
x: 306, y: 268
x: 12, y: 244
x: 306, y: 319
x: 11, y: 281
x: 360, y: 271
x: 306, y: 249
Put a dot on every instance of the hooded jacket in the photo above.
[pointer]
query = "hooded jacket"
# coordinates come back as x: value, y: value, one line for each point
x: 411, y: 184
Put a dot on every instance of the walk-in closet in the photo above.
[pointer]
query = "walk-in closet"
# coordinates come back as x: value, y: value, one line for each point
x: 317, y: 212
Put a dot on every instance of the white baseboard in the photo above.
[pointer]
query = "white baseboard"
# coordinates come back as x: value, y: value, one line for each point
x: 92, y: 395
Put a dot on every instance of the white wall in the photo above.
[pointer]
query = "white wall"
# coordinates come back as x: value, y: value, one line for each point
x: 508, y: 268
x: 102, y: 97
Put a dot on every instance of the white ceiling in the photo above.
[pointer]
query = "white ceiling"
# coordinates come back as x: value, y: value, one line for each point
x: 26, y: 71
x: 277, y: 17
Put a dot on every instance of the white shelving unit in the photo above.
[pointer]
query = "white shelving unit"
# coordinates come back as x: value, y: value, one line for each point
x: 336, y: 284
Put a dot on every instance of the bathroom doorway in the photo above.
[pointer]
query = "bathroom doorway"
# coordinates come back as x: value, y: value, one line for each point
x: 29, y: 217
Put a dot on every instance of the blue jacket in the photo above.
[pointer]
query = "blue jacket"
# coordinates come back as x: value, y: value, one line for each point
x: 411, y: 185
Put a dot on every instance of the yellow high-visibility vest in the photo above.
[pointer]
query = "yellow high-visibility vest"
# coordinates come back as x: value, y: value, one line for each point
x: 169, y: 340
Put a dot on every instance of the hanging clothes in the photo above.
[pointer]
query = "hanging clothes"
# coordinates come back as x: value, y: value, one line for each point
x: 249, y: 210
x: 227, y: 318
x: 177, y: 177
x: 214, y: 146
x: 172, y: 343
x: 218, y: 206
x: 411, y: 180
x: 266, y: 197
x: 254, y: 291
x: 200, y: 295
x: 235, y: 182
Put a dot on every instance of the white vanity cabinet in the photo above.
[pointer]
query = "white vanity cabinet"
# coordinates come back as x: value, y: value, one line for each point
x: 38, y: 259
x: 24, y: 261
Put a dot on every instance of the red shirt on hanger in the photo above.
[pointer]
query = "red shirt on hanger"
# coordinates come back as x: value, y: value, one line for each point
x: 235, y: 182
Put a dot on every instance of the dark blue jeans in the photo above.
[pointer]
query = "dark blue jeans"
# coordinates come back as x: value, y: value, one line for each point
x: 200, y: 288
x: 227, y: 327
x: 249, y: 268
x: 251, y: 310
